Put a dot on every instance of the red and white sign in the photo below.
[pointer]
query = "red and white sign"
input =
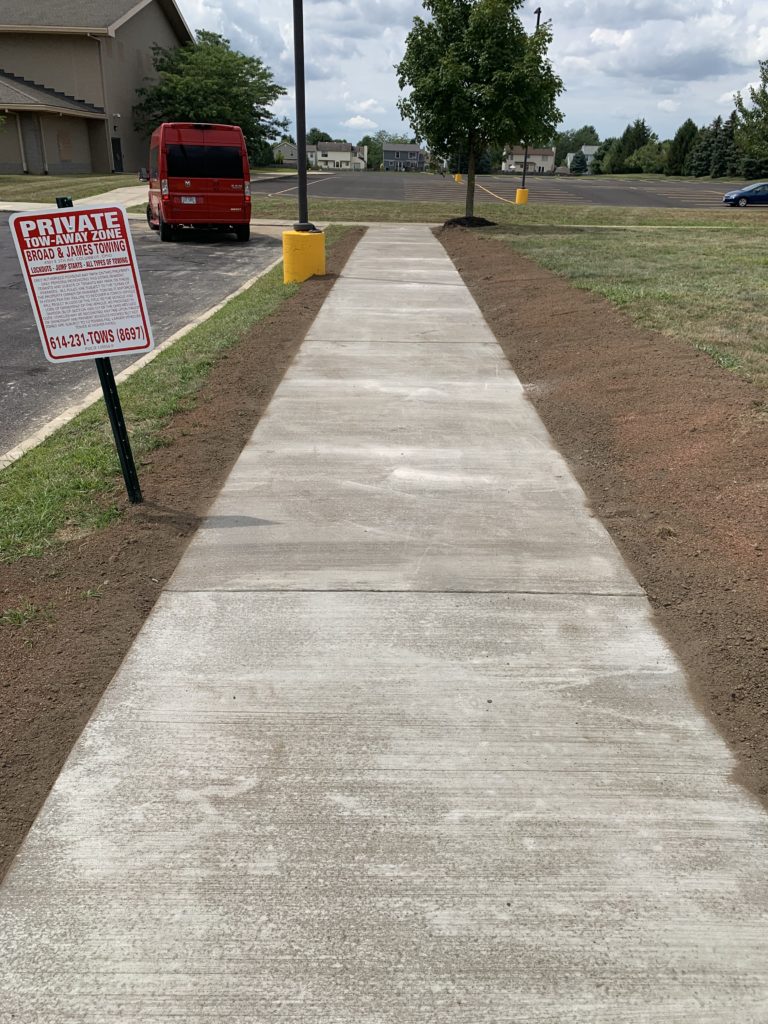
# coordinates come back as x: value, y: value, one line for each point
x: 80, y: 269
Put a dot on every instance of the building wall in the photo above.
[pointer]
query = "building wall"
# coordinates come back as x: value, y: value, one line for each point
x: 394, y: 159
x: 69, y: 64
x: 127, y: 65
x: 67, y: 144
x: 10, y: 151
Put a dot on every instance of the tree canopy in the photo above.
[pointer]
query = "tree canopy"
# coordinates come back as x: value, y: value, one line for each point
x: 375, y: 144
x: 315, y: 136
x: 475, y: 79
x: 570, y: 140
x: 751, y: 122
x: 208, y: 82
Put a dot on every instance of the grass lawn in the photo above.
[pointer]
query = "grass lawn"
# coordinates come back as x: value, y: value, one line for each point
x: 706, y: 287
x: 698, y: 275
x: 44, y: 188
x: 69, y: 482
x: 392, y: 211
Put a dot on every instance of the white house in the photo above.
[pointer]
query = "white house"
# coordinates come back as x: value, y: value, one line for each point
x: 540, y: 161
x: 337, y: 156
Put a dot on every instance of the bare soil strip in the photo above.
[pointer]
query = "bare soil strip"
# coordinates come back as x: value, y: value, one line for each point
x: 85, y: 600
x: 672, y: 452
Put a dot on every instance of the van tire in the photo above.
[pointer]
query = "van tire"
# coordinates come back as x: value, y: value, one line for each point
x: 166, y: 231
x: 242, y: 232
x: 153, y: 227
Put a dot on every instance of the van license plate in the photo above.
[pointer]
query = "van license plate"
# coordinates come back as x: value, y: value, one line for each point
x: 189, y: 200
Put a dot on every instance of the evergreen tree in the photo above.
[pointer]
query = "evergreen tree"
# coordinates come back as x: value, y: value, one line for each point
x: 699, y: 159
x: 680, y: 147
x: 597, y: 165
x: 579, y: 163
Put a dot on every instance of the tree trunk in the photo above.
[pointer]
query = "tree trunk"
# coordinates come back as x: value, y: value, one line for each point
x: 469, y: 209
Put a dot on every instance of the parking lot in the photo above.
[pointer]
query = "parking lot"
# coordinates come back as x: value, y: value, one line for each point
x: 180, y: 282
x: 670, y: 193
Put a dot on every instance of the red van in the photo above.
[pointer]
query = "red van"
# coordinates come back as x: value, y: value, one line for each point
x: 199, y: 178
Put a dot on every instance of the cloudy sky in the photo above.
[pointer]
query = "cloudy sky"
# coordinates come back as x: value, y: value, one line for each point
x: 663, y: 60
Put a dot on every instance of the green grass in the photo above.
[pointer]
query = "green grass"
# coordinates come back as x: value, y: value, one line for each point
x: 273, y: 170
x: 356, y: 210
x: 45, y: 188
x: 705, y: 287
x: 69, y: 485
x: 23, y: 613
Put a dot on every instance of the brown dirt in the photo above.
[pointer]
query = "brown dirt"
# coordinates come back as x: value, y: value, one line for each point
x: 671, y: 451
x: 96, y: 591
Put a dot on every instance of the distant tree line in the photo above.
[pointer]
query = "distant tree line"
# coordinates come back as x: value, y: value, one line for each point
x: 734, y: 146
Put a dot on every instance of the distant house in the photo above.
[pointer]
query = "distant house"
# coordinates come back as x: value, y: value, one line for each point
x: 540, y: 161
x: 289, y: 153
x: 69, y: 71
x: 338, y: 156
x: 403, y: 156
x: 589, y: 153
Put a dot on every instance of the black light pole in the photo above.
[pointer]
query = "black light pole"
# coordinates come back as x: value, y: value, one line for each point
x: 301, y: 116
x: 537, y: 12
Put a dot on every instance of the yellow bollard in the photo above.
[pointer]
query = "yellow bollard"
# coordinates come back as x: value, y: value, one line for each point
x: 521, y: 196
x: 457, y: 178
x: 303, y: 255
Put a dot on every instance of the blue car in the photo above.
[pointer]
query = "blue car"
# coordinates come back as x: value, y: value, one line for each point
x: 757, y: 193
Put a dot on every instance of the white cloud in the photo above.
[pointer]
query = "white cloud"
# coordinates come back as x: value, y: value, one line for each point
x: 664, y: 60
x: 367, y: 106
x: 363, y: 123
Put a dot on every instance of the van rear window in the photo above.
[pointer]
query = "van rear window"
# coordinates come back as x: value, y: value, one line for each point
x: 204, y: 161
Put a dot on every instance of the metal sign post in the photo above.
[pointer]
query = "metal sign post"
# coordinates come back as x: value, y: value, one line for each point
x: 80, y: 270
x: 120, y: 434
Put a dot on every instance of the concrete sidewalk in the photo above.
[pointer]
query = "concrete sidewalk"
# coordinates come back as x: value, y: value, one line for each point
x: 128, y: 195
x: 399, y: 742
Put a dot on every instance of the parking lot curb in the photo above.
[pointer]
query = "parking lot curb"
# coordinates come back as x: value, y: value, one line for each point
x: 36, y: 438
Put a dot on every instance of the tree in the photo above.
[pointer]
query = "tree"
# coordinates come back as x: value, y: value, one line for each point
x: 727, y: 159
x: 208, y: 82
x: 699, y: 159
x: 375, y: 144
x: 570, y: 140
x: 597, y: 165
x: 315, y: 136
x: 680, y: 147
x: 579, y: 163
x: 650, y: 158
x: 751, y: 123
x: 476, y: 79
x: 619, y: 156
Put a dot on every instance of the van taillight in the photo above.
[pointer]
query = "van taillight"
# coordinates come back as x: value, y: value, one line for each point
x: 164, y: 186
x: 247, y: 188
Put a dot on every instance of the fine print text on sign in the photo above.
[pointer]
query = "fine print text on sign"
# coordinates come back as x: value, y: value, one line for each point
x: 80, y: 269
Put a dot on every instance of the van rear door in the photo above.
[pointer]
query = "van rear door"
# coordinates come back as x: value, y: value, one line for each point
x: 206, y: 177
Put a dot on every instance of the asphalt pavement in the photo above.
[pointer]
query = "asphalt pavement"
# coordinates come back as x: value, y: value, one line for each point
x: 670, y: 193
x: 400, y: 742
x: 181, y: 280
